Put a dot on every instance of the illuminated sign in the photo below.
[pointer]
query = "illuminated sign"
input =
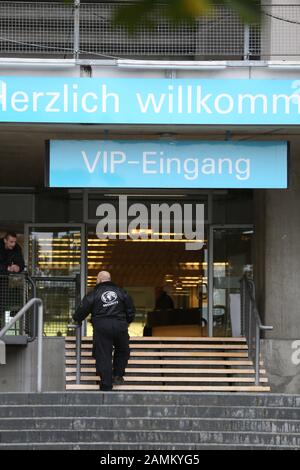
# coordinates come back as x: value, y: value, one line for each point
x: 149, y: 101
x: 161, y: 164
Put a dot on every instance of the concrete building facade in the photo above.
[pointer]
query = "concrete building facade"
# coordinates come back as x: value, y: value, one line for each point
x: 28, y: 206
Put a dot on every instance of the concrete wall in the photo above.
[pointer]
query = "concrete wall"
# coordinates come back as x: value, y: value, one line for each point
x: 282, y: 362
x: 20, y: 372
x: 259, y: 242
x: 277, y: 253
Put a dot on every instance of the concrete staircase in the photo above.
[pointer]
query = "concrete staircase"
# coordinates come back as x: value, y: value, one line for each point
x: 174, y: 364
x: 151, y: 420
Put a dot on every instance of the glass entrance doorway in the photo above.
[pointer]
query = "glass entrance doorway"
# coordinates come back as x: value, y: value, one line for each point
x: 166, y: 282
x: 55, y: 257
x: 166, y: 279
x: 230, y: 258
x: 177, y: 292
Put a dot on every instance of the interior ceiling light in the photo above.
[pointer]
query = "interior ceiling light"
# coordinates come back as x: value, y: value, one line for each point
x: 153, y: 195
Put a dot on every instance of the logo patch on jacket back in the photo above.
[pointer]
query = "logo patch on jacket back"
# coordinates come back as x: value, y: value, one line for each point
x: 109, y: 298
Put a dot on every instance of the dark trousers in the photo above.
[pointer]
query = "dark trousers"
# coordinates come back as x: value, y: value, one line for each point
x: 110, y: 333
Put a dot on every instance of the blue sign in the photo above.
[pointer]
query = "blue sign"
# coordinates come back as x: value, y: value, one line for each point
x: 159, y: 164
x: 149, y: 101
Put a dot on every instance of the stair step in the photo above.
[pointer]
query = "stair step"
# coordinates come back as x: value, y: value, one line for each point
x: 168, y: 354
x: 172, y: 346
x: 169, y: 388
x: 146, y: 423
x: 140, y: 411
x: 153, y: 400
x: 172, y: 338
x: 215, y: 355
x: 144, y: 378
x: 72, y: 370
x: 192, y: 437
x: 139, y: 446
x: 236, y: 363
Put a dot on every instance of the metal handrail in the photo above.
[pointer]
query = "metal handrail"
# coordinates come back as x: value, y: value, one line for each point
x: 25, y: 275
x: 250, y: 315
x: 75, y: 280
x: 78, y: 334
x: 53, y: 278
x: 35, y: 314
x: 38, y: 302
x: 251, y: 291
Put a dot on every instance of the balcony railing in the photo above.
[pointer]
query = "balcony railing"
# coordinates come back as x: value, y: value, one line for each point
x: 86, y: 30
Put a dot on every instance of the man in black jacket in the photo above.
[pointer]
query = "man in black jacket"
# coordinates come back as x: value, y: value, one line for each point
x: 11, y: 261
x: 112, y: 310
x: 11, y: 258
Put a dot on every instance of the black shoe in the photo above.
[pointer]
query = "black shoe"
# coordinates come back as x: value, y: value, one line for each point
x: 118, y: 380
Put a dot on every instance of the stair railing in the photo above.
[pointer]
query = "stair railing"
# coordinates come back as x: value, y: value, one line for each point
x: 251, y: 323
x: 78, y: 334
x: 16, y: 289
x: 39, y: 304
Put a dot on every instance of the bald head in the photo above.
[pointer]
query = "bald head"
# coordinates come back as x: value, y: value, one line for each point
x: 103, y: 276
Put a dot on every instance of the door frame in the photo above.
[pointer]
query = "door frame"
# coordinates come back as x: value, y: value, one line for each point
x: 83, y: 258
x: 210, y: 271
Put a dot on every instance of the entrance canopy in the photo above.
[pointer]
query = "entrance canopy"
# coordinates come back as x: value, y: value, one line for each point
x: 23, y: 146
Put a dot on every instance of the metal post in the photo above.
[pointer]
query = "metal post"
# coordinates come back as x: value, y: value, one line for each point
x: 78, y: 353
x: 244, y: 313
x: 40, y: 347
x: 246, y: 42
x: 257, y: 354
x: 242, y: 305
x: 210, y: 297
x: 83, y: 269
x: 76, y: 29
x: 34, y: 323
x: 250, y: 345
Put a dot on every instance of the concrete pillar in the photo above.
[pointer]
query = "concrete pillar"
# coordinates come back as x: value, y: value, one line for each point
x: 259, y: 248
x: 277, y: 253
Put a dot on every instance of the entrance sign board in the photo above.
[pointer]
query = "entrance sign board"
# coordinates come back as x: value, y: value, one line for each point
x: 149, y: 101
x: 166, y: 164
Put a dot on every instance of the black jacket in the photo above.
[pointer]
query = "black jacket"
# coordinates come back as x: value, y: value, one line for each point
x: 106, y: 301
x: 9, y: 257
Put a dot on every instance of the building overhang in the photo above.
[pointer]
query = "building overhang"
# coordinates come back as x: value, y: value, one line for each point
x: 21, y: 62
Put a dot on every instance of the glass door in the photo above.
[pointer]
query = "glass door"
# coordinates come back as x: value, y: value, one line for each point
x: 55, y: 256
x: 230, y: 257
x: 156, y: 262
x: 167, y: 283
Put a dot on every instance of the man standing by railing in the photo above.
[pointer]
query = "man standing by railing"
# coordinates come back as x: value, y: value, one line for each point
x: 11, y: 257
x: 112, y: 310
x: 11, y: 261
